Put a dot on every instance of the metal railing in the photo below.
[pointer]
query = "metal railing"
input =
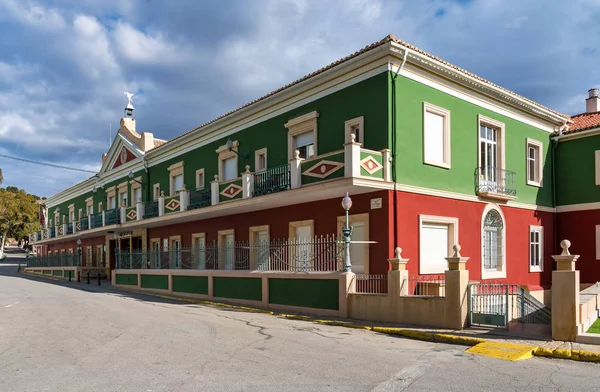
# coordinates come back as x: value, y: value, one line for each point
x: 323, y: 253
x: 272, y: 180
x: 84, y: 224
x: 426, y: 285
x: 64, y: 260
x: 51, y: 232
x: 490, y: 179
x: 96, y: 220
x: 200, y: 199
x: 112, y: 217
x: 151, y: 210
x: 371, y: 284
x: 69, y: 228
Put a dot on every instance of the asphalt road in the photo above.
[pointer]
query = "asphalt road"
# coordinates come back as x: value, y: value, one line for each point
x: 78, y: 337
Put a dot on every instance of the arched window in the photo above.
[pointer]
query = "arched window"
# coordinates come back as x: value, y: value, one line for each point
x: 493, y: 249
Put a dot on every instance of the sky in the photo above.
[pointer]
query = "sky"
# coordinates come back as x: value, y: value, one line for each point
x: 64, y: 64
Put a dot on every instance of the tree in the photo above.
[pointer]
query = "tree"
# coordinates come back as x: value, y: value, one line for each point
x: 18, y: 215
x: 1, y: 176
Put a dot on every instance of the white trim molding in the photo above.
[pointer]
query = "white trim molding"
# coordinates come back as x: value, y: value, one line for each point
x: 445, y: 114
x: 175, y: 170
x: 490, y: 274
x: 299, y: 125
x: 350, y: 125
x: 540, y: 251
x: 257, y: 154
x: 200, y: 179
x: 597, y: 166
x: 539, y: 164
x: 452, y: 224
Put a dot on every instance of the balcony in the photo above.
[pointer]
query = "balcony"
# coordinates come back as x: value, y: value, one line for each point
x: 200, y: 199
x: 351, y: 162
x: 495, y: 183
x: 273, y: 180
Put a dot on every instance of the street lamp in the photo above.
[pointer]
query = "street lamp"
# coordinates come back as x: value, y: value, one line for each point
x: 230, y: 148
x: 130, y: 174
x: 347, y: 231
x: 79, y: 252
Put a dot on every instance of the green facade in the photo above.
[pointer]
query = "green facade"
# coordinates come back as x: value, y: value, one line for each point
x: 576, y: 171
x: 411, y: 170
x: 308, y: 293
x: 237, y: 288
x: 127, y: 279
x: 160, y: 282
x: 190, y: 284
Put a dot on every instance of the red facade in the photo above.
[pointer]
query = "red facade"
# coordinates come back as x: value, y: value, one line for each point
x: 579, y: 227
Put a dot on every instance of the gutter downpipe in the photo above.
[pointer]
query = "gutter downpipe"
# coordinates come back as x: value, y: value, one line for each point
x: 555, y: 141
x: 395, y: 209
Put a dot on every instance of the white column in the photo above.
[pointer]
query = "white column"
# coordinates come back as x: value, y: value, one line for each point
x: 161, y: 203
x: 103, y: 220
x: 387, y: 167
x: 184, y: 199
x: 296, y: 170
x: 89, y: 221
x: 74, y: 224
x: 247, y: 183
x: 123, y: 212
x: 214, y: 190
x: 352, y: 157
x: 64, y: 226
x: 139, y: 209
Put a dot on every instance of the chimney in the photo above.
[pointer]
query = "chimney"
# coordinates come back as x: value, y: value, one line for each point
x: 592, y: 104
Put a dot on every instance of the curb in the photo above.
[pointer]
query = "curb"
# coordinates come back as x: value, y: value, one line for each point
x: 558, y: 353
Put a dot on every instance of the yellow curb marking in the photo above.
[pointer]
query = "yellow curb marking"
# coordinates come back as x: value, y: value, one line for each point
x: 505, y: 351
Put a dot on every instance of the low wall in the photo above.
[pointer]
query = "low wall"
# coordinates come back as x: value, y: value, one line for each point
x: 589, y: 306
x: 323, y: 293
x: 56, y: 272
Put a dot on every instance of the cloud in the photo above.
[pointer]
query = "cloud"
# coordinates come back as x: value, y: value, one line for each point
x: 64, y: 66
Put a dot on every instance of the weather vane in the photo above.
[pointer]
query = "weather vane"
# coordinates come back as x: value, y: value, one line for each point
x: 129, y: 99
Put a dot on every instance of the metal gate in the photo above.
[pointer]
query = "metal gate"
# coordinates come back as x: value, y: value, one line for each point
x: 498, y: 305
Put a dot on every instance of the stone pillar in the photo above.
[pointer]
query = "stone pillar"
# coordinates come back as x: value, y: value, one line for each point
x: 457, y: 287
x: 387, y: 167
x: 565, y: 295
x: 296, y: 171
x: 398, y: 275
x: 139, y: 210
x: 103, y: 219
x: 352, y: 157
x: 347, y: 285
x: 161, y: 203
x: 214, y: 190
x: 184, y: 199
x: 89, y: 219
x: 123, y: 211
x: 247, y: 183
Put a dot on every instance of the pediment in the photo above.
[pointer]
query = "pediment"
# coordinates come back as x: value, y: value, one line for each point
x: 121, y: 152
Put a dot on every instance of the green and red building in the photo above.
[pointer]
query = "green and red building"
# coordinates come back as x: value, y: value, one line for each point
x: 431, y: 154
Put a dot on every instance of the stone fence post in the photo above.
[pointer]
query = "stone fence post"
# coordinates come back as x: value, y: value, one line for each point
x: 398, y: 275
x: 457, y: 287
x: 565, y: 295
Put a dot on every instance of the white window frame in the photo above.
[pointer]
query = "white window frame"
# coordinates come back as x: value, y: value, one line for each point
x: 225, y: 154
x: 539, y: 165
x: 100, y: 209
x: 200, y: 179
x: 452, y: 223
x: 253, y: 234
x: 597, y: 165
x: 299, y: 125
x: 257, y: 155
x: 89, y: 202
x: 135, y: 186
x: 175, y: 169
x: 540, y: 267
x: 429, y: 108
x: 489, y: 274
x: 196, y: 250
x: 223, y: 251
x: 123, y: 189
x: 175, y: 254
x: 358, y: 122
x: 121, y: 204
x: 156, y: 191
x: 71, y: 213
x: 501, y: 128
x: 111, y: 192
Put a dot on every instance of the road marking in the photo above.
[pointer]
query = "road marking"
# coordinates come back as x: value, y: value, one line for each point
x: 8, y: 306
x: 405, y: 377
x: 505, y: 351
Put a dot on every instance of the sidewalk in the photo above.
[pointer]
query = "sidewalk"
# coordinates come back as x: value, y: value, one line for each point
x: 489, y: 342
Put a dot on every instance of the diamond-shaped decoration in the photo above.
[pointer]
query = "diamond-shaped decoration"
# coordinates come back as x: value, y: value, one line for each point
x: 231, y: 191
x: 371, y: 165
x: 78, y: 226
x: 132, y: 215
x: 60, y: 230
x: 172, y: 205
x: 323, y: 169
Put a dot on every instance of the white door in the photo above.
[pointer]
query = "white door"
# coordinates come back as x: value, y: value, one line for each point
x: 358, y: 251
x: 262, y: 250
x: 200, y: 250
x: 303, y: 254
x: 229, y: 252
x: 433, y: 249
x: 176, y: 253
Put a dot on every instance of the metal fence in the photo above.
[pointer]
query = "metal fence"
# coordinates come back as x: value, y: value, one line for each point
x: 323, y: 253
x: 60, y: 260
x: 84, y: 223
x: 151, y: 210
x: 112, y: 217
x: 496, y: 180
x: 371, y: 284
x: 200, y: 199
x: 96, y: 220
x: 272, y: 180
x: 426, y: 285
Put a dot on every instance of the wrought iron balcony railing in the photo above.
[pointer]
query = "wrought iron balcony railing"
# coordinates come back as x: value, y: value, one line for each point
x: 96, y: 220
x: 151, y: 210
x: 69, y: 228
x: 112, y: 217
x: 200, y: 199
x: 493, y: 181
x: 84, y: 224
x: 272, y: 180
x: 51, y: 233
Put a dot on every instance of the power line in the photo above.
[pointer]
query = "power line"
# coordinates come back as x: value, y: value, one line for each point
x: 46, y: 164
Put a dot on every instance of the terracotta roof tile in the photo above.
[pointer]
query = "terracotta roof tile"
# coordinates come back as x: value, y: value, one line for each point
x: 583, y: 122
x: 389, y: 38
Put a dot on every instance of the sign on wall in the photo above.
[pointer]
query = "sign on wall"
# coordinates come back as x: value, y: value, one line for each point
x: 376, y: 203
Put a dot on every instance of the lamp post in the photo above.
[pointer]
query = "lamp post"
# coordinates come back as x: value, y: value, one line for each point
x: 79, y: 252
x: 347, y: 231
x: 229, y: 145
